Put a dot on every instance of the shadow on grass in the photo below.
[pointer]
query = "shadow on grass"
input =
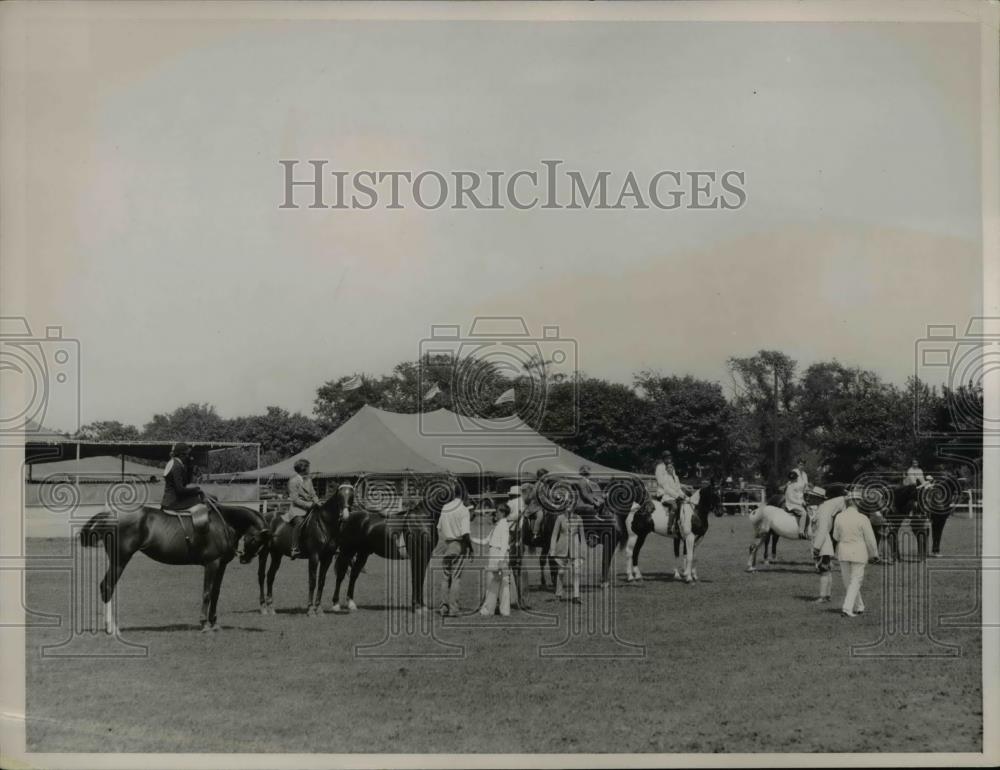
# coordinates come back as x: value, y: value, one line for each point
x: 187, y: 627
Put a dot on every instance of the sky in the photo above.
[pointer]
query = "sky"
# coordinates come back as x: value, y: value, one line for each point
x: 153, y: 233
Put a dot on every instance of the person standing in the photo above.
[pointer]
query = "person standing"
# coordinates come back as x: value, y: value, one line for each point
x: 302, y: 497
x: 670, y: 490
x: 567, y: 548
x: 822, y: 543
x: 455, y: 531
x: 516, y: 504
x: 498, y: 566
x: 855, y: 546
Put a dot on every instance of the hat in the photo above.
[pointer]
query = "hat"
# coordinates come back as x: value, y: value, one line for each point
x: 514, y: 491
x: 584, y: 470
x: 818, y: 491
x: 180, y: 448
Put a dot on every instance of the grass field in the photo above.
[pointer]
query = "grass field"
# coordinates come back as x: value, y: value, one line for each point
x: 737, y: 662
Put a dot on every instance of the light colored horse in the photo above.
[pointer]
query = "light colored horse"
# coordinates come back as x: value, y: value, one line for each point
x: 690, y: 538
x: 767, y: 520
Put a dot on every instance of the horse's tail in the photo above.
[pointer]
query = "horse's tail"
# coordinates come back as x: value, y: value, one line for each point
x: 100, y: 526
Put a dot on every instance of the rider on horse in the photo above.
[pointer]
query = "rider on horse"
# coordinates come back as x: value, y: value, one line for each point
x: 303, y: 497
x: 533, y: 511
x: 178, y: 492
x: 795, y: 499
x: 670, y: 490
x: 590, y: 496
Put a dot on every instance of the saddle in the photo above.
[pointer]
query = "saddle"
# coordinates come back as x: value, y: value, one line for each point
x: 197, y: 514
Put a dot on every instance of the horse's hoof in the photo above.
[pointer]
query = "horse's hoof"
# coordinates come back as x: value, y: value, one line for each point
x: 605, y: 586
x: 263, y: 610
x: 751, y: 569
x: 351, y: 606
x: 677, y: 575
x: 216, y: 627
x: 336, y: 608
x: 205, y: 628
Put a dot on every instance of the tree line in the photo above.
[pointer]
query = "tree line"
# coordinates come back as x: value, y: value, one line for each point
x: 839, y: 420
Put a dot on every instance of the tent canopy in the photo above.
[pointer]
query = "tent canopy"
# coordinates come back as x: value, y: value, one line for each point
x: 387, y: 443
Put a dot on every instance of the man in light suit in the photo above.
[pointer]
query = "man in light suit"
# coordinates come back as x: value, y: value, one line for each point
x: 855, y: 546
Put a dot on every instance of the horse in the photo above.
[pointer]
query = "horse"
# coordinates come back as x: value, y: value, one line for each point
x: 164, y: 536
x: 771, y: 521
x: 909, y: 504
x: 602, y: 524
x: 318, y: 542
x: 652, y: 516
x: 367, y: 532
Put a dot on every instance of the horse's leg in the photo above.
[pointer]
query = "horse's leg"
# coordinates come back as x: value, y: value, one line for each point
x: 629, y: 550
x: 340, y: 566
x: 116, y: 566
x: 639, y: 541
x: 755, y: 546
x: 688, y: 556
x: 206, y: 594
x: 275, y: 564
x: 324, y: 565
x: 261, y: 574
x: 694, y: 547
x: 419, y: 560
x: 312, y: 607
x: 216, y: 588
x: 607, y: 555
x: 359, y: 564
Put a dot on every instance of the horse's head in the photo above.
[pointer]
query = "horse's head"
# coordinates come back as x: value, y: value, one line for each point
x: 256, y: 537
x: 341, y: 503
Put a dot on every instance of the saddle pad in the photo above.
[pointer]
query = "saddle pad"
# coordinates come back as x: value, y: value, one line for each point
x: 199, y: 515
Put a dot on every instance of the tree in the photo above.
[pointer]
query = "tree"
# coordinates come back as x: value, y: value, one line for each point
x: 687, y: 416
x: 279, y: 433
x: 107, y: 430
x: 600, y: 420
x: 194, y: 422
x: 765, y: 391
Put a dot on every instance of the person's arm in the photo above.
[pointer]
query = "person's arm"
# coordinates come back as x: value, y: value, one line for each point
x: 466, y: 531
x: 869, y: 535
x: 555, y: 533
x: 297, y: 494
x: 179, y: 481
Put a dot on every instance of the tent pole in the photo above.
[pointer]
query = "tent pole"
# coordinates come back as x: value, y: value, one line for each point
x: 77, y: 465
x: 260, y: 505
x: 123, y: 467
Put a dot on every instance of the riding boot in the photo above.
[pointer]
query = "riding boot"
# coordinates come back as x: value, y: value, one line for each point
x: 296, y: 551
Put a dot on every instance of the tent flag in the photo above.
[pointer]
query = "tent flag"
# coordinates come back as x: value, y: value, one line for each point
x: 434, y: 390
x: 352, y: 384
x: 507, y: 397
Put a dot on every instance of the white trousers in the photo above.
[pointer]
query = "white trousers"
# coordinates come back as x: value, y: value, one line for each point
x: 497, y: 587
x: 853, y: 575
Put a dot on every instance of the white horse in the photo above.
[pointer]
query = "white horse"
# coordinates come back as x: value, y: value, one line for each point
x: 692, y: 530
x: 768, y: 520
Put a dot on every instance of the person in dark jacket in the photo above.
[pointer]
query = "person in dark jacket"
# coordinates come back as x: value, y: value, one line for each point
x: 178, y: 492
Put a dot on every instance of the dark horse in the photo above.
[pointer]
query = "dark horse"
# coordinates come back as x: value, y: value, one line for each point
x: 366, y: 532
x: 909, y: 504
x: 318, y: 541
x: 651, y: 516
x: 172, y: 539
x: 602, y: 525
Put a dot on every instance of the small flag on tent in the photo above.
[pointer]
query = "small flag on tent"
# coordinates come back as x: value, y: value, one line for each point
x: 352, y: 384
x: 507, y: 397
x: 434, y: 390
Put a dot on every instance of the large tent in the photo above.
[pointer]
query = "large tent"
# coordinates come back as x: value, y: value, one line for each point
x: 387, y: 443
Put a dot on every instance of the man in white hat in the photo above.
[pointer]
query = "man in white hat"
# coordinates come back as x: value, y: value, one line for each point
x: 855, y: 546
x: 822, y: 543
